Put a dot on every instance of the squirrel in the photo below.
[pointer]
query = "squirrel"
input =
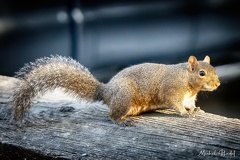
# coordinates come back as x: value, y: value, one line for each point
x: 132, y: 91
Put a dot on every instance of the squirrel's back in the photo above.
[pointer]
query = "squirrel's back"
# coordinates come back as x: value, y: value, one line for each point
x: 148, y: 76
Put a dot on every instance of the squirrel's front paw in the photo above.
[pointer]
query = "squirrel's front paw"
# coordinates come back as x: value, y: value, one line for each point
x: 186, y: 114
x: 197, y: 110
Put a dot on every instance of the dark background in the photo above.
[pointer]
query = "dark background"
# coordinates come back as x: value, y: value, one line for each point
x: 107, y: 36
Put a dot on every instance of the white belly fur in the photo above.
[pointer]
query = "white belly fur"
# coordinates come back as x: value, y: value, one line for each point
x: 189, y: 101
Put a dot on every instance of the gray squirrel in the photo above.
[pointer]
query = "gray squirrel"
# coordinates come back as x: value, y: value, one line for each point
x: 132, y: 91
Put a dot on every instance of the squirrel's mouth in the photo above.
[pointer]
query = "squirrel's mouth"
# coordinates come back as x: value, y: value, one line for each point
x: 208, y: 87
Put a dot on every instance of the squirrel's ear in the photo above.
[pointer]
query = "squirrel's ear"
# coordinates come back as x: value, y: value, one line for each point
x: 207, y: 59
x: 192, y: 63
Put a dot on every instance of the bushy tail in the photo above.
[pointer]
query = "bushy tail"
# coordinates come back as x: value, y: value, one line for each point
x: 49, y: 73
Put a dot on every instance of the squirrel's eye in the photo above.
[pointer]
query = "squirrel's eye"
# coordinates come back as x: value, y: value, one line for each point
x: 202, y: 73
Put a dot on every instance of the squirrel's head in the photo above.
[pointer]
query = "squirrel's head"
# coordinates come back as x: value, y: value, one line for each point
x: 202, y: 75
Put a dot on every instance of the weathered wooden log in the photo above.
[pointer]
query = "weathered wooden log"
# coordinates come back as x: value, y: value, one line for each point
x: 75, y: 129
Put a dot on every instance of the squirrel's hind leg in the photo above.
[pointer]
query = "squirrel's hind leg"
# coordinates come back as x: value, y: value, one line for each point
x: 118, y: 113
x: 119, y: 106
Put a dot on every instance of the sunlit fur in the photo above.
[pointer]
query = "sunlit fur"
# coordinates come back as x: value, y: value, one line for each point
x: 49, y: 73
x: 134, y: 90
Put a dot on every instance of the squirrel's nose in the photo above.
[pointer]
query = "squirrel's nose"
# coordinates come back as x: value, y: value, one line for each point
x: 217, y: 83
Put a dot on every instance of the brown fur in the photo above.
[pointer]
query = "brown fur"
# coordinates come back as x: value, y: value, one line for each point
x: 134, y: 90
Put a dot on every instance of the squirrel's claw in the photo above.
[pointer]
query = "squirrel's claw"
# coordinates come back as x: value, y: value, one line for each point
x: 127, y: 123
x: 187, y: 115
x: 199, y: 110
x: 195, y: 111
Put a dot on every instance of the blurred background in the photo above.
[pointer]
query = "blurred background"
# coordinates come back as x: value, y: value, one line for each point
x: 107, y: 36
